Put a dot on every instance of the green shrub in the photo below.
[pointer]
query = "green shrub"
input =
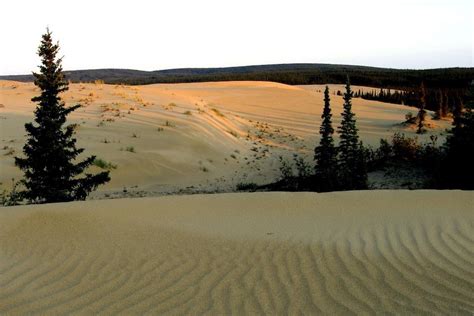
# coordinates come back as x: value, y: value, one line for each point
x: 103, y: 164
x: 303, y: 168
x: 246, y: 186
x: 286, y: 170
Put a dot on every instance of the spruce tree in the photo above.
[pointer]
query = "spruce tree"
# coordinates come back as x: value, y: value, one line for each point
x: 457, y: 170
x: 422, y: 112
x: 50, y: 171
x: 325, y: 153
x: 439, y: 107
x: 445, y: 107
x: 351, y: 158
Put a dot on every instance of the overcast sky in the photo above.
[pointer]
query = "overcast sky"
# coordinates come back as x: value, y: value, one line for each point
x: 152, y: 35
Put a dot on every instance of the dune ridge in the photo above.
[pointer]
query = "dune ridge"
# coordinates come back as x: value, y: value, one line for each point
x: 210, y: 136
x: 372, y: 252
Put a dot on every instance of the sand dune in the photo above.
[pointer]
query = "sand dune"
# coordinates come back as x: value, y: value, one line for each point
x: 196, y: 136
x: 377, y: 252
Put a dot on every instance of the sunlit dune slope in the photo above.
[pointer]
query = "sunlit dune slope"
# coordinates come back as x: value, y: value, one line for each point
x: 166, y: 137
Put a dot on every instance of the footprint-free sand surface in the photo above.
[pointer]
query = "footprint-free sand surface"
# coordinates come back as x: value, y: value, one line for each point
x: 195, y: 136
x: 372, y: 252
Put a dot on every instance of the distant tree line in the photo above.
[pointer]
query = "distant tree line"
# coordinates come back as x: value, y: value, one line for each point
x: 440, y: 100
x: 293, y: 74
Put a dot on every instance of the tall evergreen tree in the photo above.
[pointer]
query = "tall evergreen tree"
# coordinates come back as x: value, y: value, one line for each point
x: 422, y: 112
x: 439, y: 105
x: 325, y: 153
x: 457, y: 170
x: 351, y: 158
x: 50, y: 171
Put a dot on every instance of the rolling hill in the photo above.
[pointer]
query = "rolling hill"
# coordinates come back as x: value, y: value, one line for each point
x: 282, y: 73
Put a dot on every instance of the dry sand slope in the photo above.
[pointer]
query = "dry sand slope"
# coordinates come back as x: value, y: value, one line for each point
x: 206, y: 135
x: 264, y: 253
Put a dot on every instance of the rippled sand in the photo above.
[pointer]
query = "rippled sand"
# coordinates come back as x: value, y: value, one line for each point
x: 401, y: 252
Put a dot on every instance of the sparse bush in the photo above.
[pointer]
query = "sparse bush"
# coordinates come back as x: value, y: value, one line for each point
x: 11, y: 198
x: 410, y: 119
x: 103, y: 164
x: 404, y: 152
x: 233, y: 133
x: 247, y: 186
x: 217, y: 112
x: 129, y: 149
x: 286, y: 171
x: 9, y: 151
x: 303, y: 168
x: 405, y: 148
x: 187, y: 113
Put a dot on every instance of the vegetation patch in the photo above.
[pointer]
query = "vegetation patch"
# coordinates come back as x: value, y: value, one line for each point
x: 217, y: 112
x: 129, y: 149
x: 247, y: 186
x: 102, y: 164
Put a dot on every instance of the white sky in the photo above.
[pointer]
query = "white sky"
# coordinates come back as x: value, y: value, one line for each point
x: 152, y: 35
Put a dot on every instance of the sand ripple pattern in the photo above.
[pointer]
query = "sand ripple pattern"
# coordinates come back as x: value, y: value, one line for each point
x: 162, y: 256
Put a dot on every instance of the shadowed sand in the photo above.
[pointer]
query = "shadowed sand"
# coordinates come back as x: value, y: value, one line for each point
x: 404, y: 252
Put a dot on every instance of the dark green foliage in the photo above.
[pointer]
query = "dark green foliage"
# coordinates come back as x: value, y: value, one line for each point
x: 351, y: 158
x: 420, y: 118
x: 446, y: 78
x: 50, y: 174
x: 439, y: 106
x: 101, y: 163
x: 441, y: 99
x: 247, y: 186
x: 400, y: 149
x: 457, y: 168
x: 301, y: 180
x: 325, y: 153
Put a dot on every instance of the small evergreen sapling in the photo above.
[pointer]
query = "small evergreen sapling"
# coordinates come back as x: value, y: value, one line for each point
x: 422, y: 112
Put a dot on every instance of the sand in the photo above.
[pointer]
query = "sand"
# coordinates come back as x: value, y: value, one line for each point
x: 372, y: 252
x: 196, y: 136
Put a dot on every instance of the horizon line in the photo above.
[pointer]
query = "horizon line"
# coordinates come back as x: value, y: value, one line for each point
x: 242, y: 66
